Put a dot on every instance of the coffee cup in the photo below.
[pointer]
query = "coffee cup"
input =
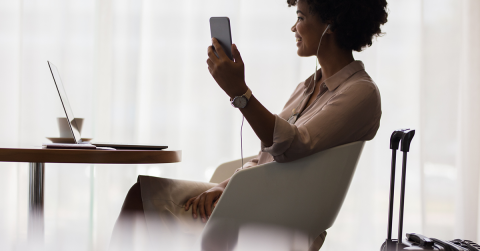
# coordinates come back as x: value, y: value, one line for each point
x: 64, y: 128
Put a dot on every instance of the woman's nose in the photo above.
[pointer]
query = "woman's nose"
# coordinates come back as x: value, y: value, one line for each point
x: 294, y: 27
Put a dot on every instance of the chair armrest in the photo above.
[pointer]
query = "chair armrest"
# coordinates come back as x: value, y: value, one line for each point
x: 226, y: 170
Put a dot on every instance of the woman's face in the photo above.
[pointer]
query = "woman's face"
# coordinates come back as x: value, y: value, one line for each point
x: 308, y: 30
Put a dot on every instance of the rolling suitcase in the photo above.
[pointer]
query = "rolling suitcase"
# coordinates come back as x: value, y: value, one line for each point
x: 413, y: 242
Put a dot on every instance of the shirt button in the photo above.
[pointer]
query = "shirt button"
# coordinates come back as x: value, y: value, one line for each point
x: 324, y: 85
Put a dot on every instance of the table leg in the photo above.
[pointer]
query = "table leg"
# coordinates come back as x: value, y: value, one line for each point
x: 35, y: 203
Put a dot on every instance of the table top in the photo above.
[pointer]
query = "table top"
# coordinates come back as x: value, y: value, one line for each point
x: 43, y: 155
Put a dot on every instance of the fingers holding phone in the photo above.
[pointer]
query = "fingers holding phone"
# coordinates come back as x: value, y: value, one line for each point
x: 229, y: 75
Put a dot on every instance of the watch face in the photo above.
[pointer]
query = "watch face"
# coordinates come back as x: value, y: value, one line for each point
x: 240, y: 102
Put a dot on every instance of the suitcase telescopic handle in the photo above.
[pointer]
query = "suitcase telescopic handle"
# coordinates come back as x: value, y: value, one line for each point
x: 394, y: 143
x: 406, y: 140
x: 396, y: 137
x: 405, y: 147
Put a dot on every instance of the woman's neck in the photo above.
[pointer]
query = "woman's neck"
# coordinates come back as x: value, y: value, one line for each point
x: 334, y: 60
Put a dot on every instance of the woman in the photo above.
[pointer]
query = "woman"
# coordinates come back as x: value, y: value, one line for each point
x: 337, y: 105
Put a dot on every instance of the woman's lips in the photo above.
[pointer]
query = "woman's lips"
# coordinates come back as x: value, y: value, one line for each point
x: 299, y: 41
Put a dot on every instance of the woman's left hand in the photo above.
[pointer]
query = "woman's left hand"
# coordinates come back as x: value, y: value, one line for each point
x: 204, y: 203
x: 230, y: 75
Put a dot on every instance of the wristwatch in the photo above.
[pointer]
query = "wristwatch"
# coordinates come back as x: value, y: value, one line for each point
x: 241, y: 101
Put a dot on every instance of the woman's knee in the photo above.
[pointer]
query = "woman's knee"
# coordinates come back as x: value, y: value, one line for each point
x: 133, y: 201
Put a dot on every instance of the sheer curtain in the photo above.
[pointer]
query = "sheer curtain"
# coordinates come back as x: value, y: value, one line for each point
x: 136, y: 71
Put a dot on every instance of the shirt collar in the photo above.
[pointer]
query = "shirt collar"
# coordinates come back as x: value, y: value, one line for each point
x: 340, y: 77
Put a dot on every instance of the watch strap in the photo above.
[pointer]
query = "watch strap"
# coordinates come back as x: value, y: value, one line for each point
x: 247, y: 95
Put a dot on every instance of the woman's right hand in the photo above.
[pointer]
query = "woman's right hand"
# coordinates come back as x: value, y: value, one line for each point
x: 203, y: 202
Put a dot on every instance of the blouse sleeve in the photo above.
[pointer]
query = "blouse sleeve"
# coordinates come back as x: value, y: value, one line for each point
x: 347, y: 117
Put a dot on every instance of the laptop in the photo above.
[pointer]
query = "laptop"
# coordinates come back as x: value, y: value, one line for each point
x: 74, y: 128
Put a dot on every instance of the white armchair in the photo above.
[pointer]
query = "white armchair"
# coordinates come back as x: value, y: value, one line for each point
x: 304, y: 195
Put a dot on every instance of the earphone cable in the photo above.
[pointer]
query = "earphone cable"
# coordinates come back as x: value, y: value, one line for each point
x: 241, y: 139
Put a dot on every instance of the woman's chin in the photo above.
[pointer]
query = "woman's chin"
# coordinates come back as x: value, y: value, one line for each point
x: 301, y: 53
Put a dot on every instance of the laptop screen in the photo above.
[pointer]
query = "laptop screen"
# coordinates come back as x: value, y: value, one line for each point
x: 66, y: 106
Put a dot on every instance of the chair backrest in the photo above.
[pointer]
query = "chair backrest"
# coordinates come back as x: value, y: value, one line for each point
x: 226, y: 170
x: 304, y: 194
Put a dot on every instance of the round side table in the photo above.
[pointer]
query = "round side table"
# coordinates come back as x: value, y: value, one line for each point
x: 37, y: 157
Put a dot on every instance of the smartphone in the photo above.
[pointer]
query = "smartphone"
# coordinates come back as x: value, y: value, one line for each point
x: 220, y: 29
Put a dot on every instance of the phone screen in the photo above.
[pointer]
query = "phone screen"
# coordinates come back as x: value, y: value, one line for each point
x: 220, y: 29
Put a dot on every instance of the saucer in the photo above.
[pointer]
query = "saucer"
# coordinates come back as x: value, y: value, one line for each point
x: 66, y: 140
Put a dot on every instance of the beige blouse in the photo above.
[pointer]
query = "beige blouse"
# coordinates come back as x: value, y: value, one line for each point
x: 347, y: 109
